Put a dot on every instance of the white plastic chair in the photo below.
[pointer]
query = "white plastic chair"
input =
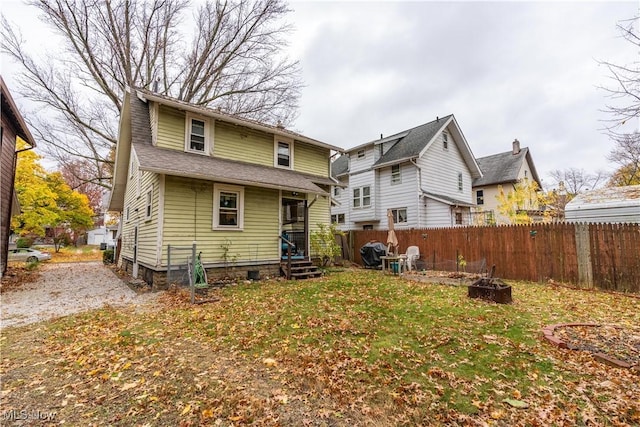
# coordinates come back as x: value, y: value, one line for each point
x: 413, y: 254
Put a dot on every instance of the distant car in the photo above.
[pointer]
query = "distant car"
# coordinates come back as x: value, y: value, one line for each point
x: 28, y: 255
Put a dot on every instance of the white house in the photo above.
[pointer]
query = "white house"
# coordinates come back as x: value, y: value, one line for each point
x: 606, y: 205
x: 423, y: 175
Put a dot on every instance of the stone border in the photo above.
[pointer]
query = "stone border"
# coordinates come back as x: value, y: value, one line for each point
x: 601, y: 357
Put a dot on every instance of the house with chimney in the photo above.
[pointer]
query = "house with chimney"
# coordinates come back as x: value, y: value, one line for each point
x: 501, y: 172
x: 422, y: 175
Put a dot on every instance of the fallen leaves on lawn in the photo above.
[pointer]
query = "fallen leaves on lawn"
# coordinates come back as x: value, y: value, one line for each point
x: 355, y: 348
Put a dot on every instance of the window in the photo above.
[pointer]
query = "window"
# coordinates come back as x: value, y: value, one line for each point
x: 458, y: 218
x: 445, y: 140
x: 489, y: 218
x: 197, y: 138
x: 339, y: 218
x: 336, y: 191
x: 228, y: 207
x: 460, y: 181
x: 362, y: 197
x: 147, y: 209
x: 132, y: 167
x: 127, y: 216
x: 480, y: 197
x: 396, y: 178
x: 361, y: 153
x: 367, y: 227
x: 284, y: 155
x: 399, y: 215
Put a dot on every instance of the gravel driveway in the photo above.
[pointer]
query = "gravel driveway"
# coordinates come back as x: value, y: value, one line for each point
x: 64, y: 289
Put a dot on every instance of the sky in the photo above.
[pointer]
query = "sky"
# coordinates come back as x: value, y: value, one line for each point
x: 506, y: 70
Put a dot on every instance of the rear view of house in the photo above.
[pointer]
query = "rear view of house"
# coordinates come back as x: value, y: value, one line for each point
x: 421, y: 175
x: 235, y: 187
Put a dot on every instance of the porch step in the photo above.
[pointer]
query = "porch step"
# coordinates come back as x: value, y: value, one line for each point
x: 300, y: 269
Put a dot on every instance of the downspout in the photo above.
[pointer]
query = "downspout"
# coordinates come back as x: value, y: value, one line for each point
x: 419, y: 190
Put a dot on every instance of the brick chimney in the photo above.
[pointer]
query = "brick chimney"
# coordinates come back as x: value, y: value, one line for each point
x: 516, y: 147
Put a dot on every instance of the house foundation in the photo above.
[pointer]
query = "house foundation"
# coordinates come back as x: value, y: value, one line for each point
x: 158, y: 281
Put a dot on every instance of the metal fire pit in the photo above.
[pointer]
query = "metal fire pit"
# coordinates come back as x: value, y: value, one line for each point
x: 491, y: 289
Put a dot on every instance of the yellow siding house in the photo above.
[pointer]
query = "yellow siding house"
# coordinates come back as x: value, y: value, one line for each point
x: 186, y: 174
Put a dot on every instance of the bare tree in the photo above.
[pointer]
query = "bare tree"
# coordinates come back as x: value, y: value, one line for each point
x: 234, y: 62
x: 78, y: 175
x: 626, y: 155
x: 625, y: 91
x: 575, y: 181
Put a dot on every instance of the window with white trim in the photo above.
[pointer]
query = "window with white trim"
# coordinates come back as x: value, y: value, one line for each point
x: 399, y: 215
x: 460, y: 182
x: 362, y: 197
x: 336, y: 191
x: 480, y: 197
x: 445, y: 140
x: 127, y: 216
x: 396, y: 178
x: 458, y: 218
x: 198, y: 139
x: 361, y: 154
x: 283, y: 154
x: 228, y: 207
x: 148, y: 204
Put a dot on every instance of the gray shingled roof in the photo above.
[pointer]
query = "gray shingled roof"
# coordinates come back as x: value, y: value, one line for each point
x: 503, y: 168
x: 172, y: 162
x: 414, y: 142
x: 178, y: 163
x: 340, y: 166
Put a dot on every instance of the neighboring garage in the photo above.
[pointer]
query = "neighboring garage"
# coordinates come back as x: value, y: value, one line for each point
x: 613, y: 205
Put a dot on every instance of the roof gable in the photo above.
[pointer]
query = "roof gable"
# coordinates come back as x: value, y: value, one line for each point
x: 230, y: 118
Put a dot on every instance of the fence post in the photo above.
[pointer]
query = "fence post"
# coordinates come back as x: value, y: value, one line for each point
x: 193, y: 273
x: 583, y: 252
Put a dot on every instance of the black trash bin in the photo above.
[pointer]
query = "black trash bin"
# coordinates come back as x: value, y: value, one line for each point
x: 371, y: 253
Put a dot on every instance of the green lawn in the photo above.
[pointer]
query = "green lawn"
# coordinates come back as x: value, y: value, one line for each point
x: 353, y: 348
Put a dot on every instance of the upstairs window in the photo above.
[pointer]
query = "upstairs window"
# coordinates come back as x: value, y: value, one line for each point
x: 197, y: 138
x: 362, y: 197
x: 480, y: 197
x: 283, y: 154
x: 445, y: 140
x: 460, y: 187
x: 336, y: 191
x: 396, y: 178
x: 361, y: 154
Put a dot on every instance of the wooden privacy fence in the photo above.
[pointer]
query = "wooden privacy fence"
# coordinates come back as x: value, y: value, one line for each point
x: 602, y: 255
